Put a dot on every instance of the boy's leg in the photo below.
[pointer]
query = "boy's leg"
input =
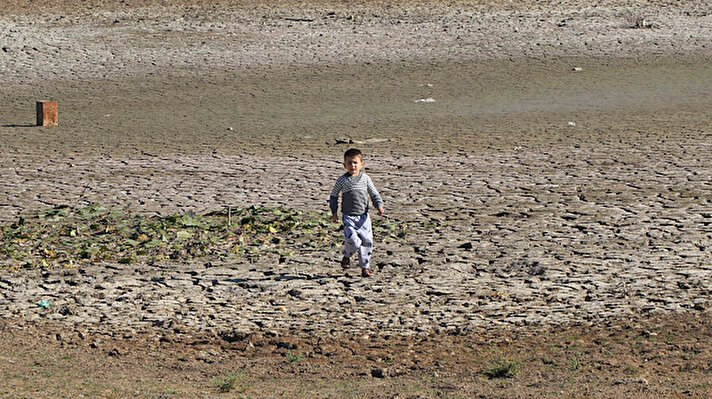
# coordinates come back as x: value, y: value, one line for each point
x: 352, y: 242
x: 365, y: 233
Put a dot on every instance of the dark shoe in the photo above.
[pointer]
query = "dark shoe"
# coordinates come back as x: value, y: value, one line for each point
x: 345, y: 262
x: 366, y: 272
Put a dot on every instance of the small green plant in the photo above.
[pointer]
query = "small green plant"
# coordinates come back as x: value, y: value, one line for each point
x: 631, y: 370
x: 576, y: 362
x: 549, y: 362
x: 293, y: 357
x: 226, y: 384
x: 169, y: 392
x: 502, y: 367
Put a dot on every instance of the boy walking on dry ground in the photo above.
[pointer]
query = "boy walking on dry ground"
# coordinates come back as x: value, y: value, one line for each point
x: 356, y: 188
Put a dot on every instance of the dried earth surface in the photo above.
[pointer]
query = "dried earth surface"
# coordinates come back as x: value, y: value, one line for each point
x: 551, y: 163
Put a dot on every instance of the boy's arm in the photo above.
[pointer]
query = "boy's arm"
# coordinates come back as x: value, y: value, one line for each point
x: 334, y: 205
x: 375, y: 197
x: 334, y: 201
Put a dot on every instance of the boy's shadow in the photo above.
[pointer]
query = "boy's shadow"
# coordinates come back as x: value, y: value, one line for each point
x: 19, y: 125
x: 283, y: 277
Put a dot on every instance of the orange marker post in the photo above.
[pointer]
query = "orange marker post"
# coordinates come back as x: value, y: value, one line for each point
x: 47, y: 113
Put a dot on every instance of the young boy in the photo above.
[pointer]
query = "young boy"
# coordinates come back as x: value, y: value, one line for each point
x: 356, y: 188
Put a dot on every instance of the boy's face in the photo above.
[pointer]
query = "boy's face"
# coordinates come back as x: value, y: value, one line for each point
x: 353, y: 165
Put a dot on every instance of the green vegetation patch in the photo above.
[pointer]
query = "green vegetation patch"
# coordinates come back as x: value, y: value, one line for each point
x: 227, y: 383
x: 501, y: 367
x: 66, y: 236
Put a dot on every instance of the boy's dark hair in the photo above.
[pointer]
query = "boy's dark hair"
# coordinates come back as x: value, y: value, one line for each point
x: 352, y: 152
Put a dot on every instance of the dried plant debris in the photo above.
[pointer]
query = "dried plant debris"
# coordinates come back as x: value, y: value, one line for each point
x: 67, y: 236
x: 640, y: 22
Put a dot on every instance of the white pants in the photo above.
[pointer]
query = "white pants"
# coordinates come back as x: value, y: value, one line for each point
x: 359, y: 237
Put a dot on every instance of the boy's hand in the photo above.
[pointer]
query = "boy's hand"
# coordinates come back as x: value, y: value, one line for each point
x: 334, y: 218
x: 381, y: 211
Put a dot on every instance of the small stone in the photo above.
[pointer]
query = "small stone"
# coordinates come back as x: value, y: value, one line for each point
x: 205, y: 357
x: 234, y: 336
x: 379, y: 373
x: 67, y: 311
x: 284, y: 345
x: 627, y: 381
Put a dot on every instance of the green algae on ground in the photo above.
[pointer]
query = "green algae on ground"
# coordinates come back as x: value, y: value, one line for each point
x: 67, y: 236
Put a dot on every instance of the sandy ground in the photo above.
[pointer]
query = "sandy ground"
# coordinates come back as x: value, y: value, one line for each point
x: 557, y: 172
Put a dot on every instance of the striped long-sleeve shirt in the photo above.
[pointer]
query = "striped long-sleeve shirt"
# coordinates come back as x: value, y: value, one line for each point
x: 356, y: 192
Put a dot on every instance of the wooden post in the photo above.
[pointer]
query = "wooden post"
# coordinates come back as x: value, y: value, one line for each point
x: 47, y: 113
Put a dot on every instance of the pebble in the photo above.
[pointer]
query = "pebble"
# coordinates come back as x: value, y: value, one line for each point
x: 626, y: 381
x: 379, y: 373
